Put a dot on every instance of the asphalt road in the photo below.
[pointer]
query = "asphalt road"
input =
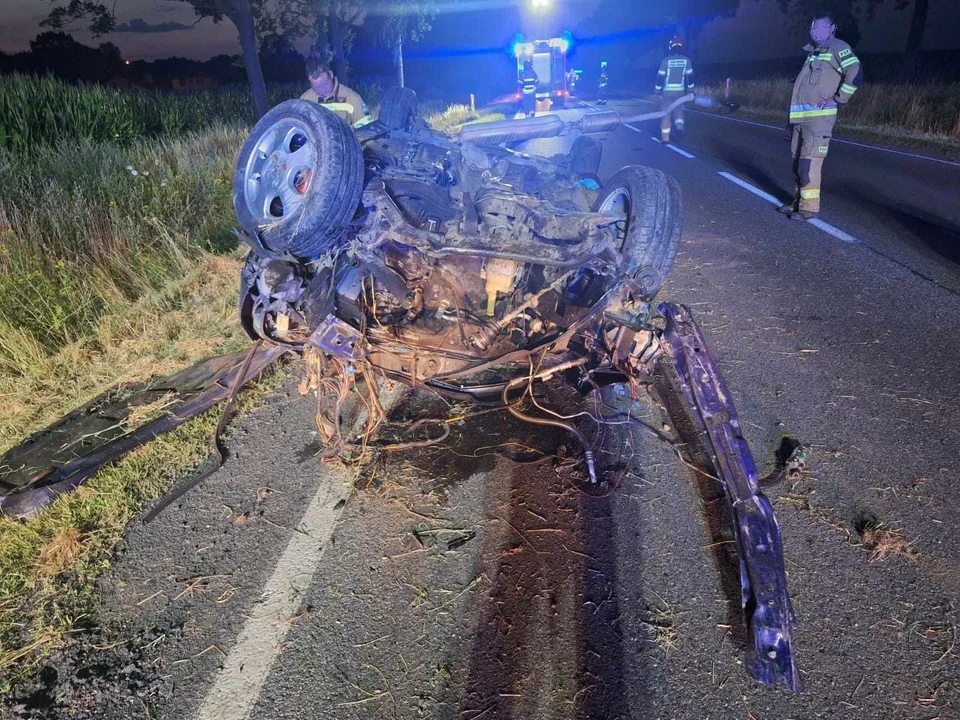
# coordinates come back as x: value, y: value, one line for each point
x: 900, y: 204
x: 459, y: 583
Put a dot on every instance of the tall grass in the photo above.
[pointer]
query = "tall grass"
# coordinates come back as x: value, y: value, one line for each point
x: 36, y: 110
x: 84, y: 227
x: 917, y: 109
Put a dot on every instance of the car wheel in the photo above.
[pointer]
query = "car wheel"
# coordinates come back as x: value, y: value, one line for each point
x: 298, y: 179
x: 649, y: 203
x: 398, y: 110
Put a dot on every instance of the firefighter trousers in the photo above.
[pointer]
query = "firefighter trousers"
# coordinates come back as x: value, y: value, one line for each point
x: 809, y: 146
x: 529, y: 103
x: 674, y: 119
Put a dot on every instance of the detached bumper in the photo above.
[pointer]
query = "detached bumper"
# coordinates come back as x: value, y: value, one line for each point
x: 765, y: 600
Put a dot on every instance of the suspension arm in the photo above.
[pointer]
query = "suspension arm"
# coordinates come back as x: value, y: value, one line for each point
x: 765, y: 601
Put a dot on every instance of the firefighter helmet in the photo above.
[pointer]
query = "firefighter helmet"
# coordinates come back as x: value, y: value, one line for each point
x: 675, y: 43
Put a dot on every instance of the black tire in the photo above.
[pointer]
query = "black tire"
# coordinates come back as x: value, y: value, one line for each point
x: 585, y: 155
x: 328, y: 196
x: 654, y: 216
x: 398, y: 111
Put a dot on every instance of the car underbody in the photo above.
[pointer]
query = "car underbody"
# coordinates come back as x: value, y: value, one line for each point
x: 463, y: 267
x: 473, y: 270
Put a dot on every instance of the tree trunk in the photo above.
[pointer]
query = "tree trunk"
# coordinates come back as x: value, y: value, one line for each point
x: 321, y: 48
x: 241, y: 17
x: 398, y: 59
x: 337, y: 36
x: 918, y: 23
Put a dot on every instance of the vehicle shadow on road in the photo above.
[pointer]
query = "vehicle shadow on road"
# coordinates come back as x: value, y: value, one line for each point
x: 717, y: 514
x: 548, y: 643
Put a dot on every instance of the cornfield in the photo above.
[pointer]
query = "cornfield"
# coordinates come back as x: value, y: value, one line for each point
x: 42, y: 111
x: 918, y: 109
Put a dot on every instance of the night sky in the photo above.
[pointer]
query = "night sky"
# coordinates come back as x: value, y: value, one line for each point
x: 154, y: 28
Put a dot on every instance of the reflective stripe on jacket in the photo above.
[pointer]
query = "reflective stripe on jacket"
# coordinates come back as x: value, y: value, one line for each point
x: 675, y: 74
x: 529, y: 82
x: 830, y: 71
x: 344, y: 102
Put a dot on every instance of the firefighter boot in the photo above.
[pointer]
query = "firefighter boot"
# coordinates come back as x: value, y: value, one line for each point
x: 678, y: 124
x: 665, y: 129
x: 810, y: 173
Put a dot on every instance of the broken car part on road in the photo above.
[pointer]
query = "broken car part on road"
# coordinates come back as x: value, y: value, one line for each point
x: 63, y: 456
x: 465, y: 267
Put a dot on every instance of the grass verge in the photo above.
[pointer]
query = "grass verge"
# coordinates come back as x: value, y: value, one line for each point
x: 37, y: 111
x: 921, y: 115
x: 191, y: 318
x: 117, y: 263
x: 48, y: 567
x: 88, y: 228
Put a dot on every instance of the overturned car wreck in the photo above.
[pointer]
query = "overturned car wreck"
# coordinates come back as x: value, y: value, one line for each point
x: 458, y: 264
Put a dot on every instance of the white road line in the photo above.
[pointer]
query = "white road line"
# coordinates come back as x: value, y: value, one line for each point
x: 750, y: 188
x: 896, y: 152
x: 238, y: 685
x: 638, y: 130
x: 831, y: 230
x: 678, y: 150
x: 668, y: 145
x: 817, y: 222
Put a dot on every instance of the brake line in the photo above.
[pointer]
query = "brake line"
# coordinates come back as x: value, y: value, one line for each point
x: 545, y: 375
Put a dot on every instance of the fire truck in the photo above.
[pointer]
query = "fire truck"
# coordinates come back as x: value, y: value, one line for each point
x: 549, y: 59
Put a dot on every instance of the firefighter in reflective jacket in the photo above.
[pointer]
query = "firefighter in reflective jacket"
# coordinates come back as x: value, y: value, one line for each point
x: 602, y: 87
x: 331, y: 94
x: 529, y: 82
x: 830, y: 76
x: 674, y: 80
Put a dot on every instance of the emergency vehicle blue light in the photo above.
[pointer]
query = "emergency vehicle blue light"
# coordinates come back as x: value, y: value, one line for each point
x: 564, y: 45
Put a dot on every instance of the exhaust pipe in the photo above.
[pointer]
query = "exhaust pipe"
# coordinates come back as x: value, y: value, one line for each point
x: 511, y: 131
x: 547, y: 126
